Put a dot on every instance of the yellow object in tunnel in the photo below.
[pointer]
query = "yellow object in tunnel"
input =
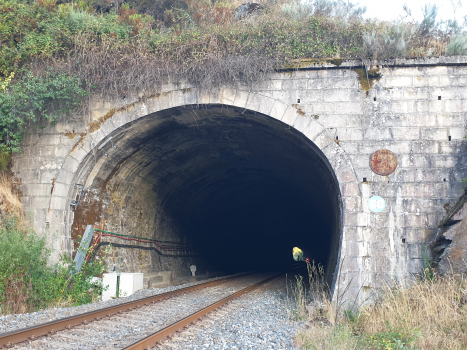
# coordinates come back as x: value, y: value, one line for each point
x: 297, y: 254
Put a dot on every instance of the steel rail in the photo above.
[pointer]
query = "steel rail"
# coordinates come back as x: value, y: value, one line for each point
x: 155, y: 338
x: 8, y: 339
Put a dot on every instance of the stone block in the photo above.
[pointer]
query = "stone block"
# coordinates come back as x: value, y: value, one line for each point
x: 350, y: 147
x: 254, y: 101
x: 405, y: 133
x: 58, y: 203
x: 301, y: 122
x: 227, y: 96
x: 426, y: 81
x: 311, y: 96
x: 400, y: 107
x: 351, y: 204
x: 274, y: 84
x: 350, y: 134
x: 417, y: 190
x: 30, y: 176
x: 351, y: 248
x: 330, y: 73
x: 323, y: 140
x: 37, y: 189
x: 336, y: 95
x: 61, y: 189
x: 313, y: 130
x: 322, y: 108
x: 438, y: 134
x: 457, y: 80
x: 396, y: 81
x: 444, y: 161
x: 350, y: 233
x: 414, y: 160
x: 407, y: 71
x: 266, y: 105
x: 426, y: 106
x: 36, y: 202
x: 278, y: 110
x: 377, y: 134
x: 70, y: 164
x: 65, y: 176
x: 290, y: 116
x: 350, y: 219
x: 339, y: 121
x: 178, y: 99
x: 455, y: 106
x: 349, y: 107
x: 437, y: 70
x: 422, y: 146
x: 294, y: 84
x: 345, y: 174
x: 190, y: 97
x: 350, y: 189
x: 450, y: 120
x: 457, y: 133
x: 414, y: 220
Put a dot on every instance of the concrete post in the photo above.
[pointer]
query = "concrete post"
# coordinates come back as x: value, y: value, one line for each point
x: 83, y: 249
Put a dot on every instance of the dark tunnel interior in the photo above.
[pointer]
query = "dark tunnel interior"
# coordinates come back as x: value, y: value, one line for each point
x: 241, y: 187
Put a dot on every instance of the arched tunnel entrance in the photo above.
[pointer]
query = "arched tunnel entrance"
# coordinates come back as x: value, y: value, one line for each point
x: 241, y: 187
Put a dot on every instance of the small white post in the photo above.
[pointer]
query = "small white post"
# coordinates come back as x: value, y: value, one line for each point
x: 193, y: 270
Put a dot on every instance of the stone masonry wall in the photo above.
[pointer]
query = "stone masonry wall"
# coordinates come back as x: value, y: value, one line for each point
x: 415, y: 108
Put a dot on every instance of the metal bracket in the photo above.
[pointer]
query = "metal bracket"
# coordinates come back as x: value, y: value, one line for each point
x: 74, y: 203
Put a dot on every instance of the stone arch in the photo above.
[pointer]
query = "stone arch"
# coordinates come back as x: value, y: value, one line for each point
x: 291, y: 115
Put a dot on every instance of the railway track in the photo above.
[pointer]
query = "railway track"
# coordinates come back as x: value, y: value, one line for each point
x: 139, y: 324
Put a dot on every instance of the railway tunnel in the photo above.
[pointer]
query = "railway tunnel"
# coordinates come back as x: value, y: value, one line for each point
x: 240, y: 187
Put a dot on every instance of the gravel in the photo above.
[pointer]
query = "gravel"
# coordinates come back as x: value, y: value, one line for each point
x: 17, y: 321
x: 258, y: 320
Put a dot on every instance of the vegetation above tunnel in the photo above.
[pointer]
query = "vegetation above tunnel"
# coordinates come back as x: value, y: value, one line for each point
x: 72, y: 49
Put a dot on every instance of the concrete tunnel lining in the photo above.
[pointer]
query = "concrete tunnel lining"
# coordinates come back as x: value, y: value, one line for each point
x: 240, y: 186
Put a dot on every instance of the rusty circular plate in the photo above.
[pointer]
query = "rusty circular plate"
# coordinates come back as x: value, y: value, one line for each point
x: 383, y: 162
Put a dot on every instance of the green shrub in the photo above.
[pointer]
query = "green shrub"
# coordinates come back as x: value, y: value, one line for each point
x: 27, y: 283
x: 138, y: 45
x: 34, y: 99
x: 457, y: 46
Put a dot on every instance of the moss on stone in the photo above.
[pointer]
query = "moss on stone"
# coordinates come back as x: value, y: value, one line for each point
x: 367, y: 78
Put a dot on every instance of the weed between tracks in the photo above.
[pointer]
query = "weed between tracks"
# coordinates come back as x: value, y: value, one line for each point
x: 428, y: 314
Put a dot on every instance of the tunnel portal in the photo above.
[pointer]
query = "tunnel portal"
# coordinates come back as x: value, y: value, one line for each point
x: 239, y: 186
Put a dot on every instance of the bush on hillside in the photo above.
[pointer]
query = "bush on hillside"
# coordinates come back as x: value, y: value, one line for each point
x: 27, y: 283
x: 457, y: 46
x: 131, y: 47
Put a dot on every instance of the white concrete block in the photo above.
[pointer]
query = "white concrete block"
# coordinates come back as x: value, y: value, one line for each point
x: 109, y: 282
x: 129, y: 284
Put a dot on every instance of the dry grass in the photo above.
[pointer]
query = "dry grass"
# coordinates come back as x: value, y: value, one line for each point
x: 428, y: 315
x: 436, y: 308
x: 9, y: 196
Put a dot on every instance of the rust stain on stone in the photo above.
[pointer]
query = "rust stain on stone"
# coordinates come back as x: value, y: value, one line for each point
x: 71, y: 134
x: 89, y: 212
x: 383, y: 162
x: 53, y: 185
x: 80, y: 141
x: 299, y: 110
